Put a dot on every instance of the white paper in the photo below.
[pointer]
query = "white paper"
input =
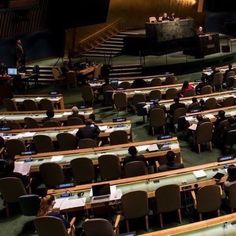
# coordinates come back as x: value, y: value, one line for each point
x: 103, y: 127
x: 153, y: 148
x: 73, y: 131
x: 67, y: 113
x: 22, y: 167
x: 199, y: 173
x: 56, y: 158
x: 136, y: 91
x: 210, y: 116
x: 72, y: 203
x: 81, y: 112
x: 115, y: 195
x: 142, y: 148
x: 174, y: 146
x: 193, y: 127
x: 28, y: 134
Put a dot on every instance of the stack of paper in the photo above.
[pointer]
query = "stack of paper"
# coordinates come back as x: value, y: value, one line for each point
x: 68, y: 203
x: 193, y: 127
x: 22, y: 167
x: 153, y: 148
x: 103, y: 128
x: 142, y: 148
x: 199, y: 174
x: 56, y: 158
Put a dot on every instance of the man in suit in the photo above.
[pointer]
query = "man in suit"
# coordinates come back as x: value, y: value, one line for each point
x: 133, y: 156
x: 176, y: 105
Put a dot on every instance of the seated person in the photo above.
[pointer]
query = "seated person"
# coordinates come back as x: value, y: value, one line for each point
x: 214, y: 71
x: 201, y: 119
x: 93, y: 118
x: 176, y: 105
x: 172, y: 16
x: 165, y: 16
x: 75, y: 113
x: 139, y: 83
x: 133, y: 156
x: 49, y: 114
x: 220, y: 117
x: 195, y: 105
x: 64, y: 68
x: 201, y: 84
x: 89, y: 131
x: 46, y: 209
x: 186, y: 88
x: 231, y: 178
x: 200, y: 30
x: 170, y: 163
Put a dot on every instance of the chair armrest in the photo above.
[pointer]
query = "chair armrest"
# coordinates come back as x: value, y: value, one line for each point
x: 194, y: 198
x: 28, y: 187
x: 117, y: 222
x: 71, y: 230
x: 2, y: 151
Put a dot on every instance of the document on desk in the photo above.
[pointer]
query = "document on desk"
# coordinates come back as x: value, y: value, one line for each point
x: 153, y: 148
x: 103, y: 127
x: 199, y: 174
x: 142, y: 148
x: 73, y: 131
x: 210, y: 116
x: 193, y: 127
x: 67, y: 203
x: 56, y: 158
x: 22, y: 167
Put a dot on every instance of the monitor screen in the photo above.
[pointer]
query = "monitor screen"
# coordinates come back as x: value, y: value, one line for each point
x: 12, y: 71
x: 101, y: 189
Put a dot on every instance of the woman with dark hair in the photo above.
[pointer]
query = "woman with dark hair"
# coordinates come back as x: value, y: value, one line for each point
x: 186, y: 88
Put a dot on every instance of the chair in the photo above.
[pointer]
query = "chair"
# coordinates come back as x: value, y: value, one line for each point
x: 87, y: 143
x: 135, y: 205
x: 29, y: 204
x: 207, y: 199
x: 167, y: 200
x: 189, y: 93
x: 10, y: 105
x: 211, y: 103
x: 109, y: 167
x: 230, y: 139
x: 204, y: 135
x: 179, y: 112
x: 217, y: 81
x: 74, y: 121
x: 43, y: 143
x: 152, y: 19
x: 83, y: 170
x: 46, y: 104
x: 120, y: 101
x: 231, y: 199
x: 51, y: 174
x: 157, y: 119
x: 57, y: 75
x: 91, y: 227
x: 71, y: 79
x: 30, y: 105
x: 30, y: 123
x: 170, y: 80
x: 135, y: 168
x: 155, y: 95
x: 138, y: 97
x: 207, y: 89
x: 12, y: 124
x: 118, y: 137
x: 49, y: 225
x: 229, y: 101
x: 141, y: 110
x: 51, y: 123
x: 36, y: 74
x: 14, y: 147
x: 171, y: 93
x: 156, y: 82
x: 87, y: 95
x: 229, y: 79
x: 66, y: 141
x: 11, y: 188
x: 124, y: 85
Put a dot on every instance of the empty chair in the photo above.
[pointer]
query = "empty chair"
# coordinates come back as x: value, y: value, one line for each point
x: 14, y: 147
x: 71, y: 79
x: 51, y: 174
x: 171, y: 93
x: 135, y: 205
x: 229, y: 101
x: 208, y: 199
x: 204, y: 135
x: 230, y: 139
x: 141, y: 110
x: 189, y: 93
x: 124, y: 85
x: 11, y: 188
x: 167, y: 200
x: 207, y: 89
x: 9, y: 104
x: 30, y: 105
x: 217, y: 81
x: 109, y: 167
x: 155, y: 95
x: 211, y: 103
x: 66, y: 141
x: 83, y: 170
x: 29, y: 204
x: 87, y: 143
x: 87, y: 95
x: 50, y: 225
x: 12, y: 124
x: 170, y: 80
x: 43, y: 143
x: 30, y: 123
x: 156, y: 82
x: 57, y: 74
x: 138, y: 97
x: 231, y: 196
x: 74, y: 121
x: 135, y: 168
x: 46, y: 104
x: 120, y: 101
x: 157, y: 119
x: 118, y: 137
x: 51, y: 123
x: 179, y: 112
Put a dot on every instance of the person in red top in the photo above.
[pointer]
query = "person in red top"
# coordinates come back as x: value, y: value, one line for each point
x: 185, y: 88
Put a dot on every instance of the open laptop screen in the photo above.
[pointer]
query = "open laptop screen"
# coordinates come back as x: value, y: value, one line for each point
x: 101, y: 189
x: 12, y: 71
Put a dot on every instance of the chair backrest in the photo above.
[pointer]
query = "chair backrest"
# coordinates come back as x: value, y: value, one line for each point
x: 139, y: 97
x: 31, y: 123
x: 211, y: 103
x: 14, y: 147
x: 134, y: 204
x: 230, y: 138
x: 157, y: 117
x: 204, y: 133
x: 10, y: 105
x: 232, y: 196
x: 170, y: 80
x: 66, y: 141
x: 11, y: 188
x: 120, y: 101
x: 74, y: 121
x: 29, y: 204
x: 30, y: 105
x: 168, y: 198
x: 118, y: 137
x: 46, y: 104
x: 71, y: 77
x: 87, y: 143
x: 51, y: 173
x: 43, y: 143
x: 124, y: 85
x: 135, y: 168
x: 83, y: 170
x: 208, y: 198
x: 98, y: 227
x: 51, y: 123
x: 171, y: 93
x: 155, y: 95
x: 207, y: 89
x: 49, y: 225
x: 217, y: 79
x: 156, y: 82
x: 56, y: 73
x: 109, y: 167
x: 87, y: 94
x: 12, y: 124
x: 229, y: 101
x: 181, y: 111
x: 189, y: 93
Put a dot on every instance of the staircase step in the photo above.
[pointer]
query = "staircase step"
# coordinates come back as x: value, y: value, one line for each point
x: 111, y: 45
x: 108, y: 49
x: 103, y: 52
x: 125, y: 74
x: 125, y: 65
x: 121, y: 70
x: 95, y: 55
x: 109, y: 41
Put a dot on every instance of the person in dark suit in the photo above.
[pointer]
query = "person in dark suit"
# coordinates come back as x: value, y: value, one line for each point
x: 201, y: 84
x: 195, y: 105
x: 49, y: 116
x: 89, y: 131
x: 139, y: 83
x: 75, y: 113
x: 170, y: 163
x: 201, y: 120
x: 133, y: 156
x: 176, y: 105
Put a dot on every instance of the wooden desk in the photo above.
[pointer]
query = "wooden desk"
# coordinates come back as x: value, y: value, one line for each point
x: 120, y: 150
x: 57, y: 100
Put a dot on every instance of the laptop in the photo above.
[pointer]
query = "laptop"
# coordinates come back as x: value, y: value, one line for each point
x: 100, y: 192
x: 12, y: 71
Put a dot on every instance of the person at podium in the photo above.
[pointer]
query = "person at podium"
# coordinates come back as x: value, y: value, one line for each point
x: 200, y: 31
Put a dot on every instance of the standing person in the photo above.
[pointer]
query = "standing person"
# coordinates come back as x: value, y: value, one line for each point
x: 20, y: 54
